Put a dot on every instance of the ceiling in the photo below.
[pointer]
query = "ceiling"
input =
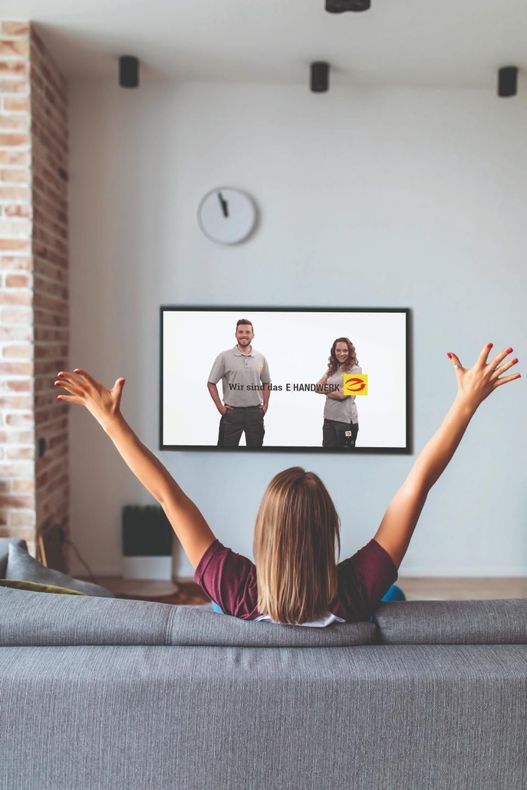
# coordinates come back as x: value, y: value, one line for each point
x: 452, y: 43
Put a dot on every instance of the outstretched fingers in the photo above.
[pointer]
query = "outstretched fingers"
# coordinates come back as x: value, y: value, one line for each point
x: 506, y: 379
x: 483, y: 357
x: 502, y: 368
x: 85, y: 375
x: 500, y: 357
x: 68, y: 383
x: 71, y: 398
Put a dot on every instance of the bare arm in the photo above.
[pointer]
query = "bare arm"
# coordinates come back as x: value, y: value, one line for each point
x: 186, y: 520
x: 266, y: 394
x: 214, y: 394
x: 474, y: 385
x: 322, y: 389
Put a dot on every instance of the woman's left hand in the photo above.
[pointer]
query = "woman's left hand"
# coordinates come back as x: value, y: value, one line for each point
x: 101, y: 402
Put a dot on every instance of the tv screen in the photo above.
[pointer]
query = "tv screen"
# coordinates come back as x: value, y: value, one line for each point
x: 259, y: 379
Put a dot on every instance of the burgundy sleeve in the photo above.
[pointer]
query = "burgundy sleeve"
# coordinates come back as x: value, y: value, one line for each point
x: 364, y: 578
x: 229, y: 579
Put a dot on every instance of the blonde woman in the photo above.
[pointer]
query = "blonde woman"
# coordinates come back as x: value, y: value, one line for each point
x: 296, y: 578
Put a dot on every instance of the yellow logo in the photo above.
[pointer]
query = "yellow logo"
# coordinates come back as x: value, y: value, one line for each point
x: 355, y: 383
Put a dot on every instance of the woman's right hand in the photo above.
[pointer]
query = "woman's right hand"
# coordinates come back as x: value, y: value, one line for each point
x: 476, y: 383
x: 102, y: 403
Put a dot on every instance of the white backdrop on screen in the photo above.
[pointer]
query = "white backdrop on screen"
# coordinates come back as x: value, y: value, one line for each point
x: 296, y: 346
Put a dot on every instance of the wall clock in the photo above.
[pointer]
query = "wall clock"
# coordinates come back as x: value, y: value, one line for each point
x: 227, y: 215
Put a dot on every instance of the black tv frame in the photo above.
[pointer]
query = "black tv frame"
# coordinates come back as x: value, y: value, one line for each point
x: 246, y: 310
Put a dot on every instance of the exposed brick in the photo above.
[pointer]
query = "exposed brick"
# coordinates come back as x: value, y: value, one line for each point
x: 16, y: 368
x: 14, y: 176
x: 22, y: 453
x: 16, y: 333
x: 20, y: 437
x: 18, y: 122
x: 24, y: 402
x: 15, y: 263
x: 14, y: 47
x: 18, y: 351
x: 14, y: 193
x: 9, y: 67
x: 16, y: 210
x: 14, y: 87
x: 10, y: 385
x: 16, y: 105
x: 15, y: 227
x: 21, y: 518
x: 50, y: 352
x: 23, y: 469
x: 15, y: 297
x: 15, y: 28
x: 16, y: 501
x: 22, y: 486
x: 20, y: 419
x: 33, y: 241
x: 20, y: 315
x: 18, y: 280
x: 15, y: 244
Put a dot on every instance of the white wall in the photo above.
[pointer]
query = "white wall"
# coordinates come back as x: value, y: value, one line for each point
x: 407, y: 198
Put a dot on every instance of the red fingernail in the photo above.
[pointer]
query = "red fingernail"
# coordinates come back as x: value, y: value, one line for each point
x: 489, y: 345
x: 509, y: 350
x: 514, y: 361
x: 449, y: 355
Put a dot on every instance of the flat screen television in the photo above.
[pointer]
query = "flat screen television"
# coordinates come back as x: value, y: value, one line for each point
x: 257, y: 379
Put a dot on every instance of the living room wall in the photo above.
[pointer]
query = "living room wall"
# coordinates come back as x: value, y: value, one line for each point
x: 408, y: 198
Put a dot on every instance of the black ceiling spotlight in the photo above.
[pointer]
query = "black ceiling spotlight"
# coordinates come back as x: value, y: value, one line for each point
x: 319, y: 77
x: 508, y: 81
x: 338, y: 6
x: 128, y: 71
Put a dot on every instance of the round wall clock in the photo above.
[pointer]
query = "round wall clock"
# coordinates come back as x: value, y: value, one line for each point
x: 227, y: 215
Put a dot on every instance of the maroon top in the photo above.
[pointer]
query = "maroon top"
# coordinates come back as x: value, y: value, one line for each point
x: 229, y: 579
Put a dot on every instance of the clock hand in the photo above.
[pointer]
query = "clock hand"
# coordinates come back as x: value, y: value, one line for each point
x: 224, y: 205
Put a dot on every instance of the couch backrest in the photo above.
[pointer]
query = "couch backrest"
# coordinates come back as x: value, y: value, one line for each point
x: 31, y: 618
x: 488, y: 622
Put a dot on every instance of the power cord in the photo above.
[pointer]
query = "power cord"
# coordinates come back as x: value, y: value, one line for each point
x: 66, y: 540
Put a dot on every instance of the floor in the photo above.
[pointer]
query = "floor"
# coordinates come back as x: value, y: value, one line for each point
x: 416, y: 588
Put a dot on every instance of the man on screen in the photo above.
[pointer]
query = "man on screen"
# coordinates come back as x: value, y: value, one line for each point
x: 245, y: 379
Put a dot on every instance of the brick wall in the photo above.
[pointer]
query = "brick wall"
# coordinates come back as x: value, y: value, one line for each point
x: 33, y: 286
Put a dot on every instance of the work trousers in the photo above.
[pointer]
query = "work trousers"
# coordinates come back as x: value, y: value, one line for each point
x: 238, y: 419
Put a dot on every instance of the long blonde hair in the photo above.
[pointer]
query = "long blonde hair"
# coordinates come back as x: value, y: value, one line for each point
x: 297, y: 531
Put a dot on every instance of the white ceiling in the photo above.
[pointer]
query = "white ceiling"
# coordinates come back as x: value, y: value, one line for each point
x: 450, y: 43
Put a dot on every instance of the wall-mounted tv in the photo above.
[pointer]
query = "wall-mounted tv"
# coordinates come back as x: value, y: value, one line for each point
x: 257, y: 379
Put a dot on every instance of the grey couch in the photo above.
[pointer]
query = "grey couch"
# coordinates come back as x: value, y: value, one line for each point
x: 107, y: 694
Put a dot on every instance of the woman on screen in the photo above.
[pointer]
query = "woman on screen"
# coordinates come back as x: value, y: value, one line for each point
x: 341, y: 421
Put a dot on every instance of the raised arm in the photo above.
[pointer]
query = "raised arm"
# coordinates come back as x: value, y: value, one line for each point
x: 474, y: 385
x: 186, y: 520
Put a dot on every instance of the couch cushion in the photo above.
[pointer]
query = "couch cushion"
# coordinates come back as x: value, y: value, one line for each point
x: 492, y: 622
x: 28, y: 618
x: 4, y: 551
x: 21, y: 566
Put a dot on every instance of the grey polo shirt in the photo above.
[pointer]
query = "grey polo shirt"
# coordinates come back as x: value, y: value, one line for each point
x: 242, y: 376
x: 341, y: 410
